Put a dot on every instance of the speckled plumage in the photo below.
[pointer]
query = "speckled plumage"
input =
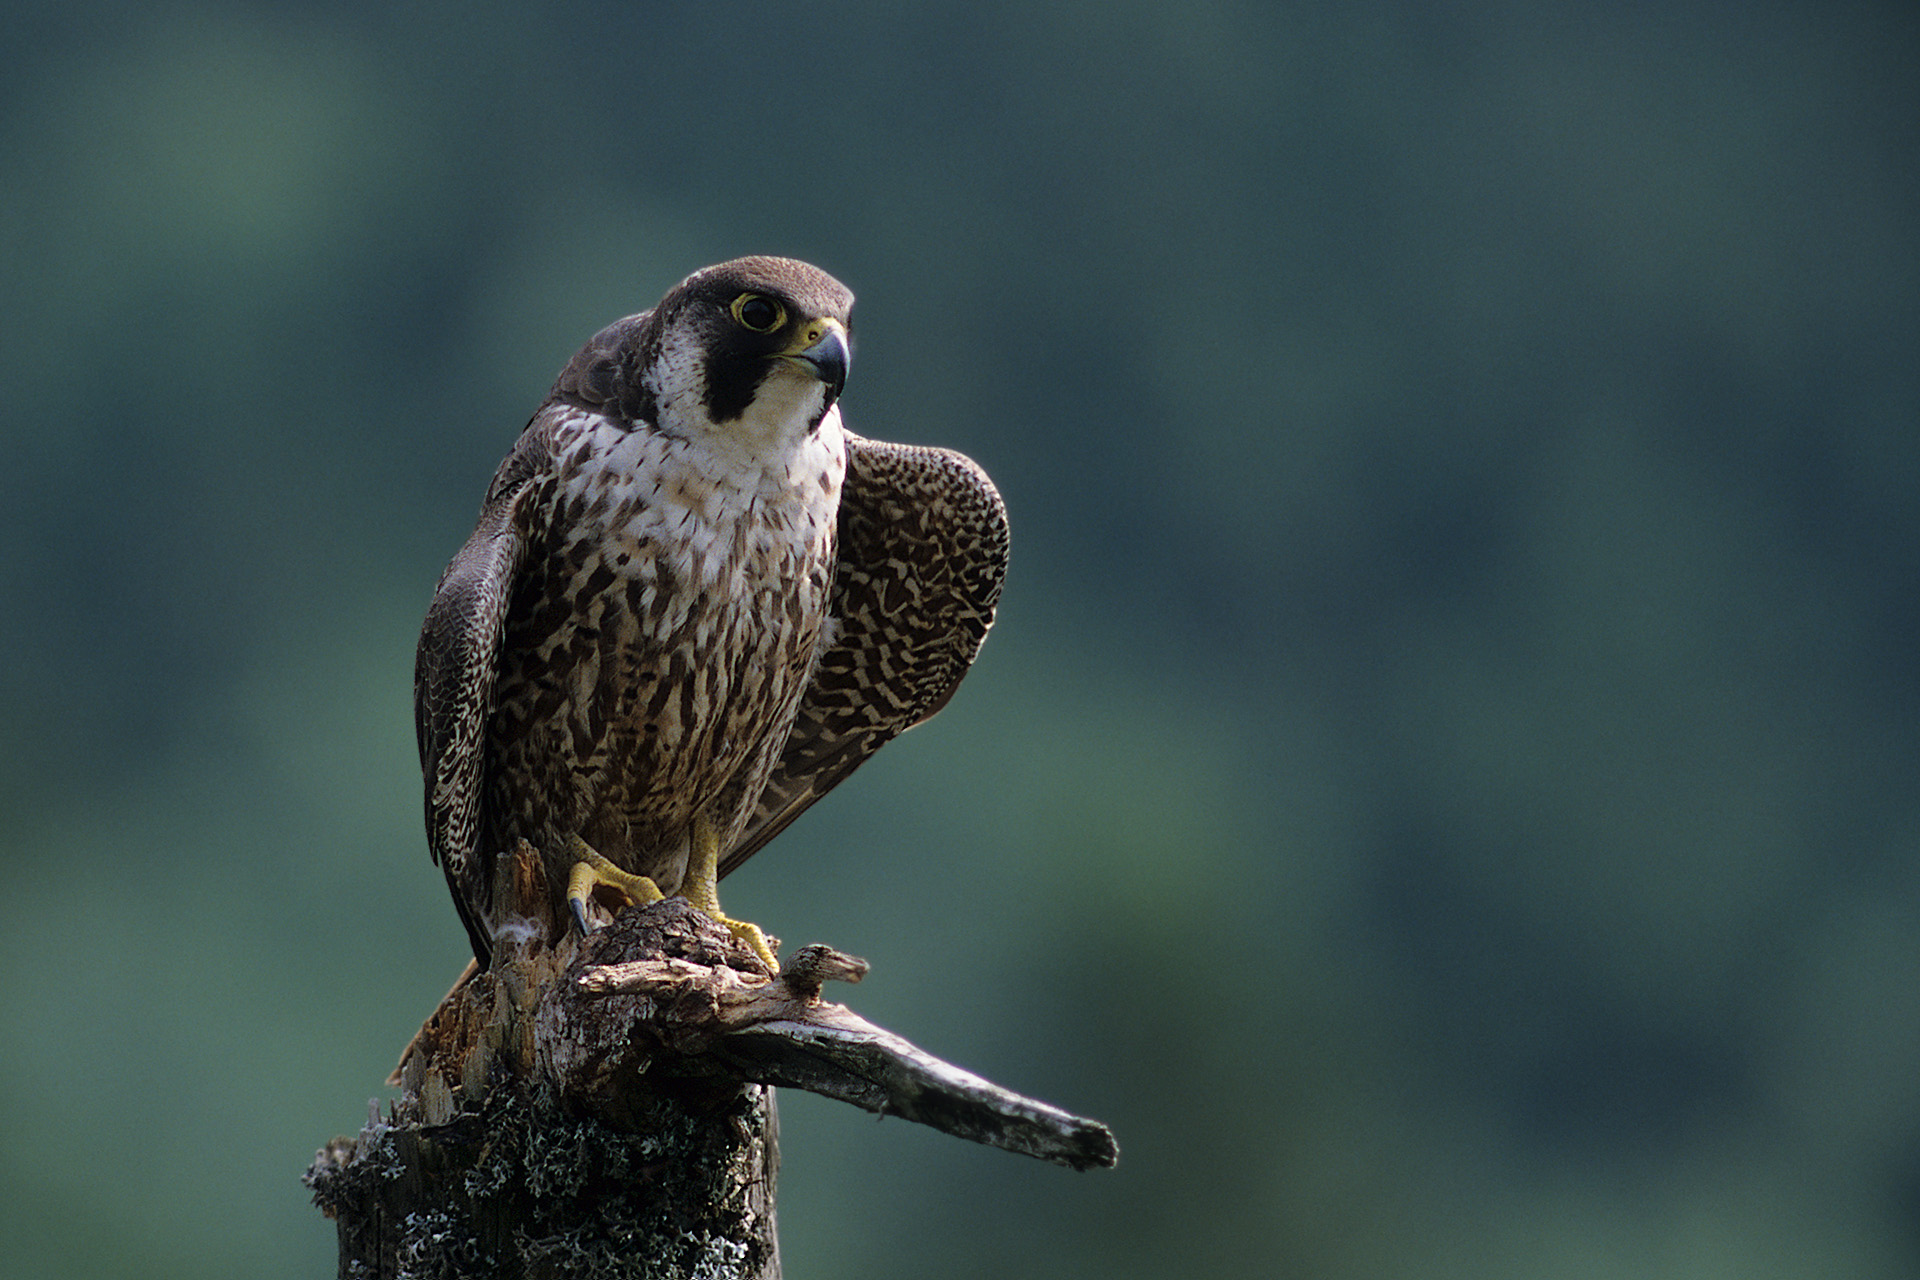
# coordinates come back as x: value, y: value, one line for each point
x: 691, y: 592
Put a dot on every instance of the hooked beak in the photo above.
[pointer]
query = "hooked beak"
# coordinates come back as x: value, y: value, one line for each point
x: 826, y: 357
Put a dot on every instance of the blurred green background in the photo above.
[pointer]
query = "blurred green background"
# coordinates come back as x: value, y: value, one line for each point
x: 1443, y: 784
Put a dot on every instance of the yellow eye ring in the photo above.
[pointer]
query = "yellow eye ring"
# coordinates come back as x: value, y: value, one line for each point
x: 758, y: 312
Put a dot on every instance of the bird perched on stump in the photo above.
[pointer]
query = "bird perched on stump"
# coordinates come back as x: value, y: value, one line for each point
x: 694, y: 602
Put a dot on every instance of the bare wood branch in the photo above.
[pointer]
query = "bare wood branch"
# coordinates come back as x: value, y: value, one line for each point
x: 603, y: 1110
x: 782, y: 1033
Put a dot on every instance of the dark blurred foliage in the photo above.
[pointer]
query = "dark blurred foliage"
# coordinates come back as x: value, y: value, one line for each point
x: 1443, y: 786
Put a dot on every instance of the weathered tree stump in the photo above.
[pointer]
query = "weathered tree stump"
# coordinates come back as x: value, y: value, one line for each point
x: 605, y: 1110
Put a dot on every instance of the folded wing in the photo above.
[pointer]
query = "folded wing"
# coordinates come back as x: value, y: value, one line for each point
x: 922, y: 553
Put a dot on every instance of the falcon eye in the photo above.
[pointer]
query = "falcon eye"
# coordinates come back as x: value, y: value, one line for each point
x: 758, y: 312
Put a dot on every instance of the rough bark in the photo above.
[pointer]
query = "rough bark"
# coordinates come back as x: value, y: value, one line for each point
x: 605, y: 1111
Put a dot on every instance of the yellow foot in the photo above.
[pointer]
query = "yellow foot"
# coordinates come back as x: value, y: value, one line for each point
x: 750, y: 934
x: 592, y: 872
x: 700, y: 887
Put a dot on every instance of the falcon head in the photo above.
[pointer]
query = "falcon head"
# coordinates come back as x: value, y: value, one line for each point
x: 756, y: 346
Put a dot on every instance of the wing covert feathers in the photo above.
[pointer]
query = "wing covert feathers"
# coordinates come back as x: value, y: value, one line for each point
x: 453, y: 681
x: 922, y: 554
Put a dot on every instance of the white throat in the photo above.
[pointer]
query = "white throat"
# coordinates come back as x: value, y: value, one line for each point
x: 773, y: 427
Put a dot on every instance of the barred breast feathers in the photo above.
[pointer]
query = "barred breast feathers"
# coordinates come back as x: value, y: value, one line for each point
x: 642, y: 494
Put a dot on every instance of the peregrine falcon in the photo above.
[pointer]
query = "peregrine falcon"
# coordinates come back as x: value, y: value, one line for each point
x: 694, y: 602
